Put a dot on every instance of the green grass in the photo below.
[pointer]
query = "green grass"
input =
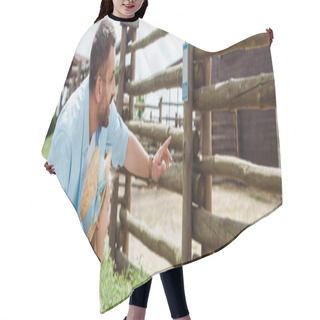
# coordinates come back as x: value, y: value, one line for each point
x: 46, y: 146
x: 114, y: 287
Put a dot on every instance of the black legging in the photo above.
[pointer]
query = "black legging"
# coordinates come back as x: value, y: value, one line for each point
x: 172, y: 281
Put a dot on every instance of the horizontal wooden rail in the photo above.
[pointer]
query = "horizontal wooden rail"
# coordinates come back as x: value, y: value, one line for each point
x: 253, y: 175
x: 249, y: 92
x: 254, y: 42
x: 231, y: 167
x: 165, y: 79
x: 160, y: 132
x: 212, y: 231
x: 254, y: 92
x: 150, y: 38
x: 155, y: 242
x: 143, y: 105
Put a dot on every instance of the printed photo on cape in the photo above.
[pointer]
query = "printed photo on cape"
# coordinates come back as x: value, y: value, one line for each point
x: 226, y: 171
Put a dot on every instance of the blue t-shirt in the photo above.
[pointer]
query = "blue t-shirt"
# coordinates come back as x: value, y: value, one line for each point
x: 70, y: 142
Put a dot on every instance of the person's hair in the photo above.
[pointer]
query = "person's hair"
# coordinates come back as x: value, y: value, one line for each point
x: 104, y: 38
x: 106, y: 7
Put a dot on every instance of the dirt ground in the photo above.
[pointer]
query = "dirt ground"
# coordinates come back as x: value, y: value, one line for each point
x: 161, y: 210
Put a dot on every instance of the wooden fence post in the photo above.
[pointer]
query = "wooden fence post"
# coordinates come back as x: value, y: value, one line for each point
x: 78, y: 76
x: 127, y: 194
x: 160, y: 110
x: 236, y: 131
x: 206, y: 146
x: 187, y: 165
x: 114, y: 201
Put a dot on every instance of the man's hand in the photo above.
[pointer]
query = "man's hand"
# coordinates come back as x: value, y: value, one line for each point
x: 161, y: 161
x: 49, y: 168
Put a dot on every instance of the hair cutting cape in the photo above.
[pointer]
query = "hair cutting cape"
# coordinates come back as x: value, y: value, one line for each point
x: 219, y: 109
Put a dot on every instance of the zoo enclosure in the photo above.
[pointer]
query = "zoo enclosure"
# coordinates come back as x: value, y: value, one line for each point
x: 256, y: 92
x: 235, y: 94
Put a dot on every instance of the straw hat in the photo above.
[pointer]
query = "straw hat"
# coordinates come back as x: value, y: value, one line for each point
x: 90, y: 187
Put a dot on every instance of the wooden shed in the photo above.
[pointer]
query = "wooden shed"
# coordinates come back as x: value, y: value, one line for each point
x: 250, y: 134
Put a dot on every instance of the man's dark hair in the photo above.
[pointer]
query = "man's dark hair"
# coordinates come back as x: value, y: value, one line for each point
x: 105, y: 37
x: 106, y: 7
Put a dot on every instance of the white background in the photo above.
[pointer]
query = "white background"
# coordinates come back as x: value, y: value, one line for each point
x: 47, y: 267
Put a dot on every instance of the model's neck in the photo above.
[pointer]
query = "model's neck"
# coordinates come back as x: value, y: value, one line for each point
x: 118, y: 18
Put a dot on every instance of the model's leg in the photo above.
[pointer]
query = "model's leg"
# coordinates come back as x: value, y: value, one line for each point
x: 173, y: 285
x: 138, y: 302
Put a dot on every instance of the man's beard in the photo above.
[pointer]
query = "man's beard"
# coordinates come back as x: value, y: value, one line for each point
x: 103, y: 114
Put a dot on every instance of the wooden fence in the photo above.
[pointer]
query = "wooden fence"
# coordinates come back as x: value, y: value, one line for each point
x: 78, y: 70
x: 193, y: 177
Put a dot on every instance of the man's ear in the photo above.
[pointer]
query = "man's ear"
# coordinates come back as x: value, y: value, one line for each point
x: 98, y: 89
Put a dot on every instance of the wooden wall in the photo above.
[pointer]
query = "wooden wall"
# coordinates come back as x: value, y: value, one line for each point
x: 249, y: 134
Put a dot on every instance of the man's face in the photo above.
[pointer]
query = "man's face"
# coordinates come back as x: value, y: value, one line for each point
x: 108, y: 90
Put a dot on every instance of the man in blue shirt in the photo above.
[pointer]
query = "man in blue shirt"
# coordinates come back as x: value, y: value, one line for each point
x: 90, y: 113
